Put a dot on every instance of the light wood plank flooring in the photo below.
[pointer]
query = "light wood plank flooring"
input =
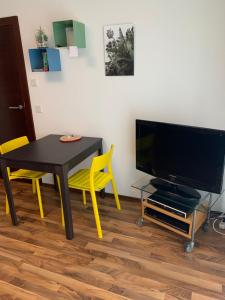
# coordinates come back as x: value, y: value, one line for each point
x: 37, y: 262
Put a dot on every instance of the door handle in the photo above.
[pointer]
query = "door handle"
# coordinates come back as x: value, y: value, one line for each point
x: 20, y: 107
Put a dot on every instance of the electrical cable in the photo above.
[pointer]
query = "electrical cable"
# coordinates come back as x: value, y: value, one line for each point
x: 216, y: 217
x: 214, y: 223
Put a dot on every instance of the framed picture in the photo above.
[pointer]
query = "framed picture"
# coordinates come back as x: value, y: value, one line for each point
x: 119, y: 50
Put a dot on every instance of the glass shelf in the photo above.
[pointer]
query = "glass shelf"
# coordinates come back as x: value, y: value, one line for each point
x: 205, y: 203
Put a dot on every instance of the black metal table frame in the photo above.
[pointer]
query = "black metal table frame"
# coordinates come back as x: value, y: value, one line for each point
x: 60, y: 170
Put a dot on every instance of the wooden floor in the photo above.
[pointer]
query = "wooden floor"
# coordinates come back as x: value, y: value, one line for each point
x: 37, y: 262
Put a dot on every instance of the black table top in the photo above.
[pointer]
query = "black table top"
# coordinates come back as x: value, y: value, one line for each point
x: 49, y: 150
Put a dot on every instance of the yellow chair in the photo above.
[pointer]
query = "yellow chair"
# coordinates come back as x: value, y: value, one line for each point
x: 94, y: 179
x: 21, y: 173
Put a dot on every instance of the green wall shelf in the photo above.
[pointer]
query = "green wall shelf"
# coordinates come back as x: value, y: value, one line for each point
x: 69, y: 33
x: 45, y: 59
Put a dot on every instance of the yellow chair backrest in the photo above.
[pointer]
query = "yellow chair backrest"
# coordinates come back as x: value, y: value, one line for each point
x: 102, y: 161
x: 13, y: 144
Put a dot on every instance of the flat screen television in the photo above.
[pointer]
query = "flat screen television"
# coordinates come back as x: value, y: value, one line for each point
x: 181, y: 155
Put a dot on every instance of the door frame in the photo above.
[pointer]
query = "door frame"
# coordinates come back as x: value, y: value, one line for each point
x: 22, y: 76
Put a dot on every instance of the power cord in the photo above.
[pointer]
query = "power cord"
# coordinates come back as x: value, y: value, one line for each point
x: 216, y: 216
x: 221, y: 225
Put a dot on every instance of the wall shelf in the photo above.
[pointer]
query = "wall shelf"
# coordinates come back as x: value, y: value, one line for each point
x: 69, y: 33
x: 45, y: 60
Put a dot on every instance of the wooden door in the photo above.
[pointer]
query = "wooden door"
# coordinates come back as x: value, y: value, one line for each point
x: 15, y: 110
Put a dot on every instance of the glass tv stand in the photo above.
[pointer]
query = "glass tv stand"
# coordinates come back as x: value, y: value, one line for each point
x: 183, y: 217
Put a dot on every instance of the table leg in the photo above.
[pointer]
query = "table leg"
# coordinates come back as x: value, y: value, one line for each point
x: 63, y: 173
x: 8, y: 192
x: 102, y: 192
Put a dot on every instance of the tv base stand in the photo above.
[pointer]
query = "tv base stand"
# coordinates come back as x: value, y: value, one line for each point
x: 174, y: 188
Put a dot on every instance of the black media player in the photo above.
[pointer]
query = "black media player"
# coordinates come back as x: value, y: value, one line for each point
x: 176, y: 204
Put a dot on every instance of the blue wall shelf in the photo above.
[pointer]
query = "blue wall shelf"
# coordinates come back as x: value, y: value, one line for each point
x: 45, y: 60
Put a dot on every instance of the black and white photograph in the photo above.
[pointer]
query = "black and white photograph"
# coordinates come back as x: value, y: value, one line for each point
x: 119, y: 50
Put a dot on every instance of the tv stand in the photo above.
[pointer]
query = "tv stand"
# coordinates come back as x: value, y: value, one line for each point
x: 181, y: 218
x: 170, y: 188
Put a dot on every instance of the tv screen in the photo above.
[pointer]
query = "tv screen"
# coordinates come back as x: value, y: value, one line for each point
x: 191, y: 156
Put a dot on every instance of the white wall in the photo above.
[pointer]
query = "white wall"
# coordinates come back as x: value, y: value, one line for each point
x: 179, y: 71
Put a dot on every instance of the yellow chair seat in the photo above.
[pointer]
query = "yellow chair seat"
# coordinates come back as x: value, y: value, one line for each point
x: 26, y: 174
x: 81, y: 180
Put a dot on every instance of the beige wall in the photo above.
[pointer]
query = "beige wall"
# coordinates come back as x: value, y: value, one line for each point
x: 179, y: 70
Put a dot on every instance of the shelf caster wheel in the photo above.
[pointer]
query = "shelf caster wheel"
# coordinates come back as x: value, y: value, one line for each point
x: 188, y: 246
x: 205, y: 227
x: 140, y: 222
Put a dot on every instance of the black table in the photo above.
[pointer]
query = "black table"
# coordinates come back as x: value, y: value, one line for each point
x: 50, y: 155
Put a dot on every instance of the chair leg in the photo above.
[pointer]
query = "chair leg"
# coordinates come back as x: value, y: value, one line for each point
x: 33, y: 186
x: 116, y: 194
x: 84, y: 198
x: 60, y: 194
x: 6, y: 205
x: 96, y: 214
x: 39, y: 198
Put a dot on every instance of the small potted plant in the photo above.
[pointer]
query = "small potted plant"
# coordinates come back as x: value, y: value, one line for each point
x: 41, y: 38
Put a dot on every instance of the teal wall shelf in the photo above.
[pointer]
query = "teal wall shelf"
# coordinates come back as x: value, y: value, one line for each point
x: 62, y: 30
x: 45, y: 60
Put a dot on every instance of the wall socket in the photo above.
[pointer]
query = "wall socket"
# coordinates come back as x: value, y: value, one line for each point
x: 38, y: 109
x: 34, y: 82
